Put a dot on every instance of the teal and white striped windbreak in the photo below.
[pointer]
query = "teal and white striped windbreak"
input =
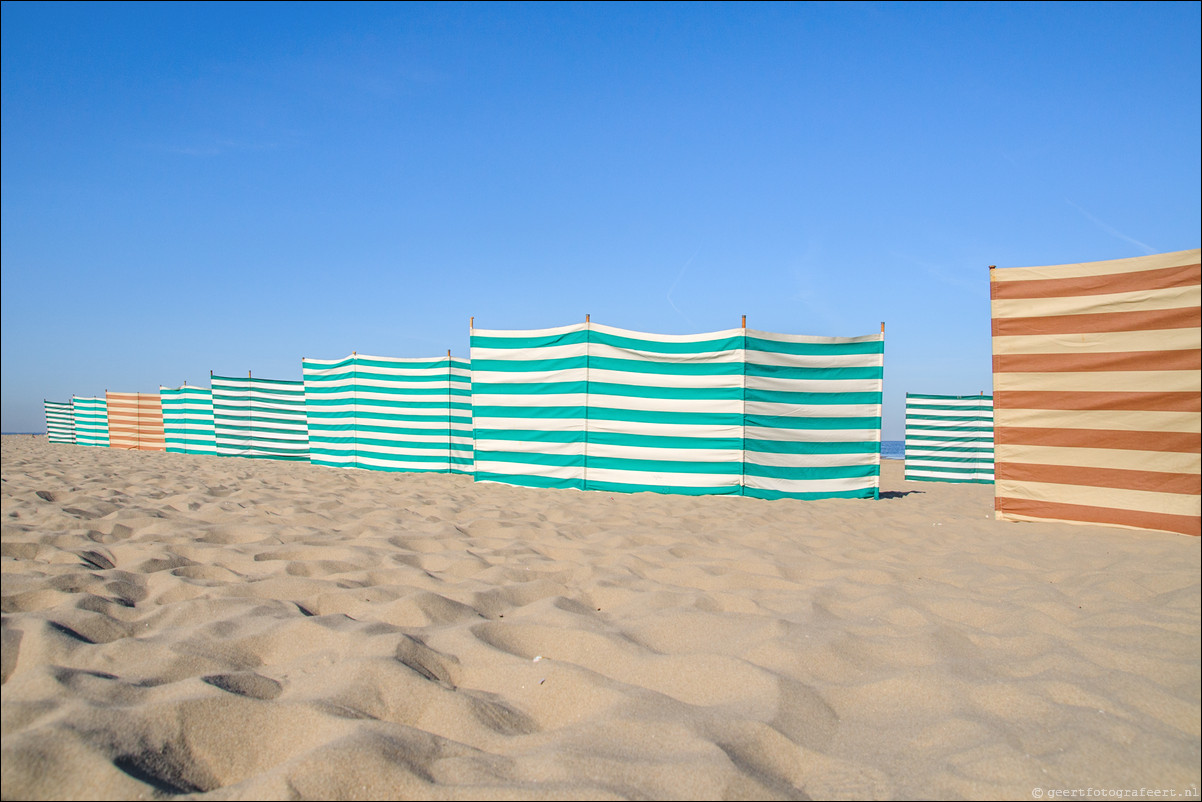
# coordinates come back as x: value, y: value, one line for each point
x: 188, y: 423
x: 91, y: 421
x: 388, y: 413
x: 60, y: 421
x: 262, y: 418
x: 949, y: 438
x: 812, y: 415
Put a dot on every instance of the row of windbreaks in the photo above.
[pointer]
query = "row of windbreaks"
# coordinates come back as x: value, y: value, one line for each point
x: 586, y: 406
x: 366, y: 412
x: 1095, y: 409
x: 119, y: 420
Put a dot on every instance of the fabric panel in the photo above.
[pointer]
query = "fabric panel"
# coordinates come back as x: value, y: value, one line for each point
x: 91, y: 421
x: 260, y: 418
x: 1096, y: 392
x: 60, y: 421
x: 188, y: 424
x: 949, y: 438
x: 385, y: 413
x: 135, y: 421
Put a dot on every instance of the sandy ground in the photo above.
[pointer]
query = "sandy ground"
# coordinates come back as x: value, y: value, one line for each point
x: 224, y: 628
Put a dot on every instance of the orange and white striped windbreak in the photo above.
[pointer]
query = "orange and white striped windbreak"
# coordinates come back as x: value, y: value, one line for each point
x: 135, y: 421
x: 1096, y: 382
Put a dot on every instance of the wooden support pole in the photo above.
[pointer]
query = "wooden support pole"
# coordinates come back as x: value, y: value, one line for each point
x: 586, y: 317
x: 744, y: 323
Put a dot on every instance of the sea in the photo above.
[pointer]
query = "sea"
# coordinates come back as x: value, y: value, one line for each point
x: 893, y: 449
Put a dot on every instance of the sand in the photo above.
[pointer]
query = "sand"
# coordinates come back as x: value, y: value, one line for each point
x: 227, y: 628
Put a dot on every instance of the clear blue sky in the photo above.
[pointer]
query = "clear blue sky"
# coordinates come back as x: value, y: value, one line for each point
x: 232, y: 187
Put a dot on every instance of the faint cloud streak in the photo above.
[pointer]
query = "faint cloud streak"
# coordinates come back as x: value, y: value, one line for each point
x: 1111, y: 230
x: 679, y: 276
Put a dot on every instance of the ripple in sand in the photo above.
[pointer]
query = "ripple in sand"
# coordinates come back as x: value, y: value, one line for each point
x: 246, y: 683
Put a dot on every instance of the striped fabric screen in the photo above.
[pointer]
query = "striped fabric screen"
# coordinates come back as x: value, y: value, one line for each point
x: 135, y: 421
x: 730, y: 412
x: 529, y: 404
x: 188, y: 420
x: 949, y: 438
x: 813, y: 415
x: 1096, y: 392
x: 91, y: 421
x: 384, y: 413
x: 60, y: 421
x: 664, y: 412
x: 261, y: 418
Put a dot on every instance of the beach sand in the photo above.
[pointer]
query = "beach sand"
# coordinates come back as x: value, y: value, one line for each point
x: 226, y: 628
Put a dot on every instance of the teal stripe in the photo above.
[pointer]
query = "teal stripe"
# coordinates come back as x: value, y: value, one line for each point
x: 666, y: 368
x: 678, y: 418
x: 784, y: 422
x: 541, y: 341
x: 528, y: 480
x: 353, y: 452
x: 557, y: 413
x: 756, y: 344
x: 755, y: 492
x: 812, y: 399
x: 676, y: 490
x: 531, y: 435
x: 558, y: 460
x: 528, y: 388
x: 485, y: 366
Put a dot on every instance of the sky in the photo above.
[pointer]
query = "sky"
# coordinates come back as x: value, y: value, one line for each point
x: 232, y: 187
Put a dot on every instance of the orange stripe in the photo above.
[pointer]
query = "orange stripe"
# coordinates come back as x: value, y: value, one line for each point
x: 1186, y: 359
x: 1185, y: 484
x: 1135, y: 402
x: 1056, y: 511
x: 1163, y: 279
x: 1185, y: 317
x: 1173, y: 442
